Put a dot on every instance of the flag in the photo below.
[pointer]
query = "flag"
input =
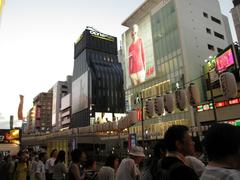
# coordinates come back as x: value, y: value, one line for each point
x: 20, y: 108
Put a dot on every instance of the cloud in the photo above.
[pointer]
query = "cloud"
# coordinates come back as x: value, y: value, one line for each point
x: 4, y: 123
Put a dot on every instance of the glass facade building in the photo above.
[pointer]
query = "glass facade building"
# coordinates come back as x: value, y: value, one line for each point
x: 171, y: 42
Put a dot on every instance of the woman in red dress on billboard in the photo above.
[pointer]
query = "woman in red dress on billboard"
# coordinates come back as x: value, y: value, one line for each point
x: 137, y: 64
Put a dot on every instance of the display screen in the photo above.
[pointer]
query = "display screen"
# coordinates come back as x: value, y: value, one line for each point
x: 80, y: 93
x: 10, y: 136
x: 224, y: 61
x: 138, y: 53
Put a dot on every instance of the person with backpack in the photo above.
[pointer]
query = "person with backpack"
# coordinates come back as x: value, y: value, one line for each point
x: 178, y: 144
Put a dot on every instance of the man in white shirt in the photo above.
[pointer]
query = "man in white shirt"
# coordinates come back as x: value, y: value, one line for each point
x: 222, y: 146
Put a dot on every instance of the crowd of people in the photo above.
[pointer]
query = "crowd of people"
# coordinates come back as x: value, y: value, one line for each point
x: 175, y: 158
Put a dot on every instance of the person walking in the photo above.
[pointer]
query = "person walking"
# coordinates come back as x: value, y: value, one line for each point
x: 128, y: 169
x: 59, y: 168
x: 179, y: 144
x: 76, y: 172
x: 50, y: 164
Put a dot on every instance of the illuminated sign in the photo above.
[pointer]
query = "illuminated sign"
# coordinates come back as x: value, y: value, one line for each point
x: 225, y: 60
x: 209, y: 106
x: 101, y: 36
x: 10, y: 136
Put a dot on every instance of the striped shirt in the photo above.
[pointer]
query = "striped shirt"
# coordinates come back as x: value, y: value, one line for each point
x: 217, y: 173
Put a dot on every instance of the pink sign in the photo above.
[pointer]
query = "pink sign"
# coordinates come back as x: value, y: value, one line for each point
x: 224, y: 61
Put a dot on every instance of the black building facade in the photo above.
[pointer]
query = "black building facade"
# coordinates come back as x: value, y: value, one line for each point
x: 96, y: 62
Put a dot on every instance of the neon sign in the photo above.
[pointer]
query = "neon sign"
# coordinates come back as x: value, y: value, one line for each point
x: 209, y: 106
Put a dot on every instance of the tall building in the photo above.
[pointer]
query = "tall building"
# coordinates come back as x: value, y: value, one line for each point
x: 97, y: 87
x: 42, y: 112
x: 236, y: 17
x: 2, y: 2
x: 164, y: 49
x: 60, y: 89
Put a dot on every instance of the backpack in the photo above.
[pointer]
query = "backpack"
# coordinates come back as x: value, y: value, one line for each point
x: 163, y: 174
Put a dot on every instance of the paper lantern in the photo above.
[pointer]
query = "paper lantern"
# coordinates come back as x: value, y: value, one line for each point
x: 149, y: 108
x: 133, y: 117
x: 159, y: 105
x: 228, y: 85
x: 194, y: 95
x: 181, y: 99
x: 169, y: 103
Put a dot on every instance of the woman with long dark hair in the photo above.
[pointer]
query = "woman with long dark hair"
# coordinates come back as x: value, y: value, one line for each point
x: 59, y: 168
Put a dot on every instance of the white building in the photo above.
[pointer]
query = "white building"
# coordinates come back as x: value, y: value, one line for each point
x: 236, y: 17
x: 177, y: 36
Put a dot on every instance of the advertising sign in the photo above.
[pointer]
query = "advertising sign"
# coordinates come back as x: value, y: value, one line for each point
x: 132, y: 141
x: 138, y: 53
x: 80, y: 93
x: 10, y: 136
x: 224, y: 60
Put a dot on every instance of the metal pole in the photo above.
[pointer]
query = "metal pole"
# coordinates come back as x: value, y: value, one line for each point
x: 212, y: 99
x: 142, y: 119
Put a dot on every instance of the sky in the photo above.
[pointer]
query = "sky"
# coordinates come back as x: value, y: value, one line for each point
x: 37, y: 42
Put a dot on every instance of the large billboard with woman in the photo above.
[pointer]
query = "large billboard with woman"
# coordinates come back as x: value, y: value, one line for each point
x: 138, y: 53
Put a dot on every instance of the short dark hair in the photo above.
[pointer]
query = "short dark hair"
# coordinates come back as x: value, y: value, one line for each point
x: 221, y: 141
x: 110, y: 160
x: 89, y: 163
x: 76, y: 155
x: 173, y: 134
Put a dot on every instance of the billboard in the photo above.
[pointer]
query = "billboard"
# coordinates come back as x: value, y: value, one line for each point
x: 10, y: 136
x: 225, y: 60
x: 80, y: 93
x: 138, y: 53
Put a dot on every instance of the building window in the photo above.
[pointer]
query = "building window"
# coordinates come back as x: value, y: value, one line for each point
x: 216, y: 20
x: 219, y: 50
x: 210, y: 47
x: 208, y: 30
x: 205, y: 14
x: 218, y: 35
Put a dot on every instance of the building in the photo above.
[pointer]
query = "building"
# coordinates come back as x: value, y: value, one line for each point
x: 42, y: 112
x: 66, y: 112
x: 97, y: 87
x: 60, y: 89
x: 226, y: 110
x: 236, y: 16
x: 173, y: 39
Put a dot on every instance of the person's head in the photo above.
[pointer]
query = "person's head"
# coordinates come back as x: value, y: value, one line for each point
x: 60, y: 157
x: 221, y: 142
x: 91, y: 164
x: 106, y: 173
x: 112, y: 161
x: 177, y: 139
x: 134, y: 31
x: 43, y: 156
x: 137, y: 154
x: 54, y: 153
x: 159, y: 149
x: 78, y: 156
x: 23, y: 156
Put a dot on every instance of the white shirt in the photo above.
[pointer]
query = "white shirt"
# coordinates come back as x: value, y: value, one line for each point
x: 127, y: 170
x: 41, y: 170
x: 50, y: 164
x: 218, y: 173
